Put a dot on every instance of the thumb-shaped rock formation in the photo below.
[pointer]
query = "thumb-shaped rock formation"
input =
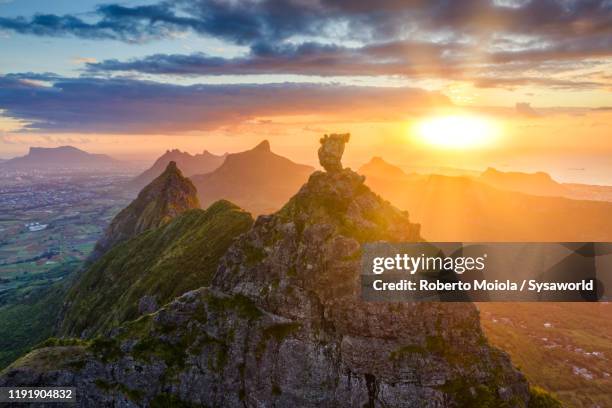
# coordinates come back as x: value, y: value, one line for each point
x: 331, y: 150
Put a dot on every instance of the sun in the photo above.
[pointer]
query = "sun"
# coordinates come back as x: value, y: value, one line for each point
x: 457, y: 131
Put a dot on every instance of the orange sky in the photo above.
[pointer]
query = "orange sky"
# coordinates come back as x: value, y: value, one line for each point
x: 149, y: 79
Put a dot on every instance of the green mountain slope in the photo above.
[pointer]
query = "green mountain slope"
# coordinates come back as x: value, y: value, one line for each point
x: 152, y: 269
x: 26, y: 320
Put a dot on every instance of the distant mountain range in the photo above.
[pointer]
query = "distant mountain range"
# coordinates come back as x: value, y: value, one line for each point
x: 58, y: 158
x: 190, y: 165
x: 466, y: 209
x: 257, y: 180
x: 539, y: 183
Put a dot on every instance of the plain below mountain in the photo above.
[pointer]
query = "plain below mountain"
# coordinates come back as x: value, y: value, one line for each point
x: 62, y: 158
x: 189, y: 164
x: 257, y: 180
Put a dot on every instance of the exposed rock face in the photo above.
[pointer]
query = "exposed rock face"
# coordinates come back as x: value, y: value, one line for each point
x: 283, y: 325
x: 164, y: 198
x: 331, y: 150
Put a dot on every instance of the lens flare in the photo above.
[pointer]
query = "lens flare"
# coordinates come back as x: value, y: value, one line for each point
x: 457, y: 131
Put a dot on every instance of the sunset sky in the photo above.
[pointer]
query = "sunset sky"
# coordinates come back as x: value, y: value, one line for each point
x: 135, y: 78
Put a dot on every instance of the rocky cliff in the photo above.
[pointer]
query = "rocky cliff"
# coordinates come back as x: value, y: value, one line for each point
x: 282, y: 324
x: 164, y: 198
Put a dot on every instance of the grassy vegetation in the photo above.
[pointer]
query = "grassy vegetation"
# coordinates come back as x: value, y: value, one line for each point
x: 541, y: 398
x: 162, y: 263
x: 29, y: 319
x: 564, y: 348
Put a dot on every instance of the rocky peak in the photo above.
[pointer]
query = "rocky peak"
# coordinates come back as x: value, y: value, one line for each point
x: 164, y: 198
x: 331, y: 151
x: 264, y: 146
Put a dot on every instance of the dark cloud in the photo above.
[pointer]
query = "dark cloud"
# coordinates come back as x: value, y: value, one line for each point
x: 473, y: 40
x: 392, y: 58
x: 249, y: 21
x: 114, y: 22
x: 553, y: 83
x: 90, y: 105
x: 238, y: 21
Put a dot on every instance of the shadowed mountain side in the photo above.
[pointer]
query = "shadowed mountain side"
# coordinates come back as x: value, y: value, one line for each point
x: 461, y: 209
x: 257, y: 180
x: 189, y: 164
x: 164, y: 198
x: 64, y: 157
x: 283, y: 324
x: 137, y: 276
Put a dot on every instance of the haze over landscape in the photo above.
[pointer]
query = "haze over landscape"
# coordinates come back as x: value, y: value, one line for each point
x: 137, y: 78
x: 163, y: 211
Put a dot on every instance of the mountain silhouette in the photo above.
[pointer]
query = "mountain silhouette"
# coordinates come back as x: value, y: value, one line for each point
x: 460, y: 209
x: 257, y: 180
x: 164, y: 198
x: 378, y: 167
x: 539, y: 183
x: 64, y: 157
x: 189, y: 164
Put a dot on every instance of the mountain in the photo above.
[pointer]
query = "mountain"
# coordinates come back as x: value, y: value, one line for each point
x: 151, y: 269
x: 283, y: 324
x: 164, y: 198
x: 539, y: 183
x: 64, y: 157
x: 257, y: 180
x: 189, y: 164
x: 461, y: 209
x: 377, y: 167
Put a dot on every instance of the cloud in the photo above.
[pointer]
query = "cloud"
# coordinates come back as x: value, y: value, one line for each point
x: 391, y: 58
x: 525, y: 109
x: 471, y: 40
x: 553, y: 83
x: 250, y: 21
x: 95, y: 105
